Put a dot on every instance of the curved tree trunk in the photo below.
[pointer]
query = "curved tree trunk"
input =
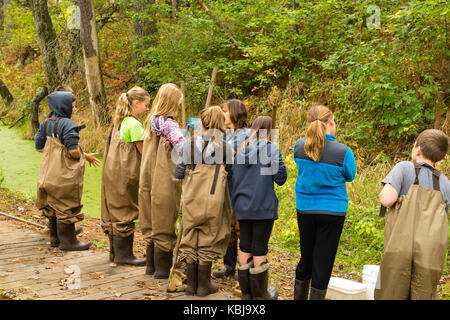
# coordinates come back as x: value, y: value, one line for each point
x: 5, y: 94
x: 94, y: 79
x: 34, y: 109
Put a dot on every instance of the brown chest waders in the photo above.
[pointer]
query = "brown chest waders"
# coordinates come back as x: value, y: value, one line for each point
x: 60, y: 181
x: 159, y: 194
x: 415, y: 244
x: 206, y: 212
x: 120, y: 186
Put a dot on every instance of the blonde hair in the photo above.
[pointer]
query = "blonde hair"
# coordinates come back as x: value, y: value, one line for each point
x: 213, y: 118
x: 125, y: 102
x: 166, y: 104
x: 317, y: 117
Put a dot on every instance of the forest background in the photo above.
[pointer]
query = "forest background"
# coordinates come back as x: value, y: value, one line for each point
x: 383, y: 68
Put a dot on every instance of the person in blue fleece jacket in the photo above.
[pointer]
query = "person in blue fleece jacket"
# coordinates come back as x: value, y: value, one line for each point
x: 257, y: 165
x: 324, y: 166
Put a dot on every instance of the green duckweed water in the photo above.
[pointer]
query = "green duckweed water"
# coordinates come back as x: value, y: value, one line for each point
x: 19, y: 165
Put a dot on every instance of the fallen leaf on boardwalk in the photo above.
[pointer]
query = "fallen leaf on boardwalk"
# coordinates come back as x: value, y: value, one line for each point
x: 113, y: 265
x: 149, y: 297
x: 118, y: 294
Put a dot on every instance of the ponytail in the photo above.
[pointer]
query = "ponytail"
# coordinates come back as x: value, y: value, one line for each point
x: 317, y: 117
x: 125, y: 101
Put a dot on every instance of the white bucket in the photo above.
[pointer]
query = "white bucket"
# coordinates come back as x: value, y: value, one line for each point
x: 343, y: 289
x: 369, y: 277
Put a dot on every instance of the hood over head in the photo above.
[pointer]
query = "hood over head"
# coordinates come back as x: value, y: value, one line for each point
x: 60, y: 103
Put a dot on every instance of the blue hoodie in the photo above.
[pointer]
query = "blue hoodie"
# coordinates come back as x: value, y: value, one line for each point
x: 60, y: 103
x: 255, y: 170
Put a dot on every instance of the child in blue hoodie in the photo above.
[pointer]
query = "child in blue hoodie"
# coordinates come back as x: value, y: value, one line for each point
x: 60, y: 182
x: 257, y: 165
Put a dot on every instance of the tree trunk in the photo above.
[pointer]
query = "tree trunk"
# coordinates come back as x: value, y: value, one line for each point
x: 94, y: 79
x: 34, y: 109
x: 5, y: 94
x: 47, y: 42
x: 143, y: 30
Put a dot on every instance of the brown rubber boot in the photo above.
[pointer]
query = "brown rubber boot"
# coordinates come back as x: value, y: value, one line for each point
x: 163, y: 263
x: 54, y: 240
x: 204, y: 284
x: 191, y: 273
x: 316, y: 294
x: 68, y: 239
x: 123, y: 251
x: 150, y: 252
x: 244, y: 279
x: 301, y: 289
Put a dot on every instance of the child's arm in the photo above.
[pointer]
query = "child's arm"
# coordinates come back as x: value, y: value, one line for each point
x: 281, y: 176
x: 139, y: 146
x: 388, y: 195
x: 349, y: 166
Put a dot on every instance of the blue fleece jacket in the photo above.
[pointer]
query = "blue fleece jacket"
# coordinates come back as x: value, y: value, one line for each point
x: 320, y: 186
x: 60, y: 103
x: 255, y: 170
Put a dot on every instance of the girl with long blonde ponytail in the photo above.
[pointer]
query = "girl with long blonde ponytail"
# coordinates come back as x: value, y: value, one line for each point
x: 324, y: 166
x: 120, y: 176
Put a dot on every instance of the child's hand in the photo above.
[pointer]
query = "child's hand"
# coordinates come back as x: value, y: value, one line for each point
x: 93, y: 161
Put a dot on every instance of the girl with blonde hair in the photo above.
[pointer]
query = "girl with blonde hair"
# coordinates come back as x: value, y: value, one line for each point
x: 159, y: 191
x: 324, y: 166
x: 120, y: 176
x: 205, y: 166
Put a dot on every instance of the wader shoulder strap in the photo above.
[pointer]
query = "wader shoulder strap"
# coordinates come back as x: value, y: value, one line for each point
x: 191, y: 166
x: 435, y: 174
x: 54, y: 128
x: 110, y: 136
x: 216, y: 172
x: 417, y: 167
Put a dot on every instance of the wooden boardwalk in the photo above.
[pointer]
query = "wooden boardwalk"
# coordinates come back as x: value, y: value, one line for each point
x: 30, y: 269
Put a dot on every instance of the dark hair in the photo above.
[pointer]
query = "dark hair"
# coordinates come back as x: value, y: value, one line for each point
x: 238, y: 112
x: 433, y: 143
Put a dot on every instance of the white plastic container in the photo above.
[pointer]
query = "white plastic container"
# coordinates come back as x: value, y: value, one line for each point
x: 343, y: 289
x: 369, y: 277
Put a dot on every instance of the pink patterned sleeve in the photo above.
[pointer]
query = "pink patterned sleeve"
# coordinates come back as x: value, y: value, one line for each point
x: 172, y: 132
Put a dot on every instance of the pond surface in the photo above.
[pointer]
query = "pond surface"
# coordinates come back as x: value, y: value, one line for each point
x: 19, y: 165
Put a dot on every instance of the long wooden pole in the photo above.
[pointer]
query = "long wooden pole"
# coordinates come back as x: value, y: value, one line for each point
x: 183, y: 106
x: 211, y: 87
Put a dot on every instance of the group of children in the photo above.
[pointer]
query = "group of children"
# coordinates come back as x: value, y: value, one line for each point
x: 222, y: 181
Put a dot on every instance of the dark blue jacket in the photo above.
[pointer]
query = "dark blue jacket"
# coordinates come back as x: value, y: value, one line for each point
x: 255, y: 170
x: 320, y: 186
x: 60, y: 103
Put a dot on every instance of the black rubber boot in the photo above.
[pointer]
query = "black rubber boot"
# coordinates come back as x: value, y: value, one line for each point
x: 123, y: 251
x: 259, y: 280
x: 54, y: 240
x: 191, y: 273
x: 68, y: 239
x: 229, y: 261
x: 111, y: 247
x: 163, y: 263
x: 150, y: 252
x: 244, y: 279
x: 301, y: 289
x: 316, y: 294
x: 204, y: 284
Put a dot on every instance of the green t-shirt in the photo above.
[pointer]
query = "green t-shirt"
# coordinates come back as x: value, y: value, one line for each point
x: 131, y: 130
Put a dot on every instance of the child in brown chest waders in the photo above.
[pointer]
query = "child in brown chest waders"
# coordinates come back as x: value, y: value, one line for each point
x: 159, y: 191
x: 120, y: 176
x: 205, y: 202
x: 61, y: 174
x: 416, y: 229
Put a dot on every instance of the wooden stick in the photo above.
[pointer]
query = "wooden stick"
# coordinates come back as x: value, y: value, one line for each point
x: 22, y: 220
x: 274, y: 116
x: 211, y: 87
x: 183, y: 106
x: 171, y: 286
